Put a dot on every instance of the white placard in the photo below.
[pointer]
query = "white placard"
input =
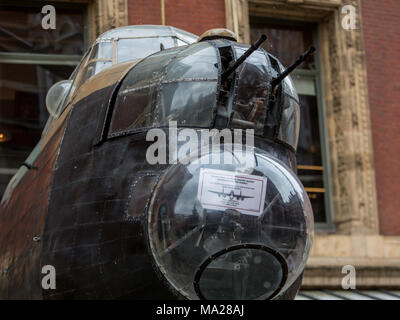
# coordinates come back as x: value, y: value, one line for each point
x: 221, y: 190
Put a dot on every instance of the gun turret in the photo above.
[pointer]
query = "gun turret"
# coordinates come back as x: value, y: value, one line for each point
x: 244, y: 56
x: 285, y: 73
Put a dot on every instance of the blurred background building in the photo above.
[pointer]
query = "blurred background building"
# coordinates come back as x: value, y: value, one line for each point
x: 349, y: 147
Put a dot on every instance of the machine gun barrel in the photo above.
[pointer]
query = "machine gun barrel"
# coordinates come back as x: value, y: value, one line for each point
x: 244, y: 56
x: 285, y: 73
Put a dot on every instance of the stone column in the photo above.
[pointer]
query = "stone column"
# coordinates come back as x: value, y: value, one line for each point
x: 105, y: 15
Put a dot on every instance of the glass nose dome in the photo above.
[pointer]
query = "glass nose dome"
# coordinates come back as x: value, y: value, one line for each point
x: 241, y: 230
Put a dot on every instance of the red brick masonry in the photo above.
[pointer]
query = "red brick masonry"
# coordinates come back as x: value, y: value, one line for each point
x: 195, y: 16
x: 381, y: 26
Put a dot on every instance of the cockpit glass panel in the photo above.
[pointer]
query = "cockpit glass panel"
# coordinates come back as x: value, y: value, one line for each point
x: 94, y: 68
x: 102, y: 50
x: 131, y: 49
x: 149, y: 70
x: 131, y: 43
x: 290, y: 121
x: 253, y: 90
x: 171, y: 85
x: 180, y: 43
x: 190, y: 103
x: 135, y: 110
x: 194, y: 61
x: 290, y: 118
x: 137, y: 97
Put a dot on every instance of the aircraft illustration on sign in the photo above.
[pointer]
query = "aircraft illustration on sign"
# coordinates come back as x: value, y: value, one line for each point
x: 231, y: 195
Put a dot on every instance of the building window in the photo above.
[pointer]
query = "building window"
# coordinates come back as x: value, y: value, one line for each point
x: 287, y: 40
x: 32, y: 59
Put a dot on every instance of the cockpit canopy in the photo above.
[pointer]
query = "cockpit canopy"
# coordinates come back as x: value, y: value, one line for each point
x: 184, y: 85
x: 132, y: 43
x: 113, y: 47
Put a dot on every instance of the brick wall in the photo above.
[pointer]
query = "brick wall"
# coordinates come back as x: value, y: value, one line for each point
x: 144, y: 12
x: 195, y: 16
x: 381, y: 26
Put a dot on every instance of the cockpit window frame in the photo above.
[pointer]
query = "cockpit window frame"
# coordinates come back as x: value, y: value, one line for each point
x: 114, y: 41
x: 110, y: 135
x: 217, y: 44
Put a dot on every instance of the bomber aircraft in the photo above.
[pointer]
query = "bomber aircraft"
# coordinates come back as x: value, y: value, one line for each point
x: 88, y: 204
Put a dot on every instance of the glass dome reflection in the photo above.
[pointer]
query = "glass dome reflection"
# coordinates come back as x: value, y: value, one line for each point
x: 192, y: 245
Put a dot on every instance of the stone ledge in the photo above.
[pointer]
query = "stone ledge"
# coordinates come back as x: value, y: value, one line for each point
x: 376, y: 260
x: 356, y: 246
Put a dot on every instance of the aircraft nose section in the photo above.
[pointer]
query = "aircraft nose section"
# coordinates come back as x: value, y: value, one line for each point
x: 230, y: 231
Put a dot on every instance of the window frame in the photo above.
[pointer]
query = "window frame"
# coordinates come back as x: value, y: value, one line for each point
x: 317, y: 76
x: 55, y: 59
x: 42, y: 59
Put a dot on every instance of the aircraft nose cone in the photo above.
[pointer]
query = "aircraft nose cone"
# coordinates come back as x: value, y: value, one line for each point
x: 217, y: 231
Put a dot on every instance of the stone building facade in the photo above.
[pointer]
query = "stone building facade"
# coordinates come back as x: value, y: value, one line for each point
x: 359, y: 89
